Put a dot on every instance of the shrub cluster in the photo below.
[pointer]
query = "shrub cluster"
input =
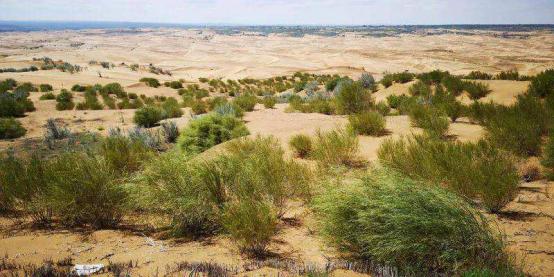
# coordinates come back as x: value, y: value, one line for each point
x: 543, y: 84
x: 432, y: 120
x: 64, y: 101
x: 367, y: 123
x: 246, y: 102
x: 336, y: 147
x: 148, y: 116
x: 477, y: 170
x: 210, y: 130
x: 410, y: 227
x: 11, y: 128
x: 352, y: 98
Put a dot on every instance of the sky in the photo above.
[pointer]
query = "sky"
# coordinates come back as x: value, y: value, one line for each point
x: 285, y: 12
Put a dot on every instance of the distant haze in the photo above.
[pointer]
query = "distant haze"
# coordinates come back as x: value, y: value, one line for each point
x: 285, y: 12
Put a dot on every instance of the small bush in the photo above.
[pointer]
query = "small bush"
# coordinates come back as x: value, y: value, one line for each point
x: 431, y: 120
x: 352, y: 98
x: 454, y: 109
x: 170, y: 131
x: 171, y: 108
x: 78, y: 88
x: 395, y: 101
x: 269, y: 102
x: 367, y: 123
x: 84, y: 191
x: 420, y: 89
x: 114, y: 88
x: 301, y: 144
x: 47, y: 96
x: 151, y: 82
x: 411, y: 227
x: 174, y: 84
x: 336, y: 147
x: 229, y: 109
x: 383, y: 108
x: 543, y: 84
x: 473, y: 170
x: 11, y: 128
x: 55, y: 132
x: 45, y: 87
x: 478, y: 75
x: 210, y: 130
x: 122, y: 154
x: 64, y: 101
x: 15, y: 104
x: 251, y: 224
x: 246, y: 102
x: 367, y: 81
x: 148, y: 116
x: 476, y: 90
x: 199, y: 107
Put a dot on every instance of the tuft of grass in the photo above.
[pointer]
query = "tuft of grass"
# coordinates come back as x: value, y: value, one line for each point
x: 301, y: 144
x: 269, y: 102
x: 210, y: 130
x: 412, y: 227
x: 474, y: 170
x: 336, y: 147
x: 11, y: 128
x: 367, y: 123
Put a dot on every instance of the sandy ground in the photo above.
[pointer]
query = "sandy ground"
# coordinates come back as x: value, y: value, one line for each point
x: 527, y: 222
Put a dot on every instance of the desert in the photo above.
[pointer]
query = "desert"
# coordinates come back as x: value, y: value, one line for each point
x: 217, y: 152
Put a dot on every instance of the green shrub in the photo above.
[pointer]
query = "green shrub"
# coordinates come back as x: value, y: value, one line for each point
x: 478, y: 75
x: 170, y: 131
x: 148, y: 116
x: 15, y: 104
x: 367, y: 81
x: 454, y: 85
x: 47, y: 96
x: 420, y: 89
x: 367, y: 123
x: 543, y: 84
x: 548, y: 157
x: 433, y: 77
x: 171, y: 108
x: 251, y: 224
x: 507, y: 75
x: 414, y: 228
x: 151, y: 82
x: 174, y: 84
x: 336, y: 147
x: 210, y: 130
x: 476, y: 90
x: 382, y: 108
x: 301, y: 144
x: 431, y: 120
x: 395, y: 101
x: 122, y: 154
x: 114, y: 88
x: 11, y: 128
x: 352, y: 98
x: 84, y: 191
x: 478, y: 170
x: 45, y: 87
x: 482, y: 112
x: 216, y: 101
x: 246, y: 102
x: 64, y: 101
x: 199, y: 107
x: 519, y: 128
x: 454, y: 109
x: 229, y: 109
x: 269, y: 102
x: 78, y: 88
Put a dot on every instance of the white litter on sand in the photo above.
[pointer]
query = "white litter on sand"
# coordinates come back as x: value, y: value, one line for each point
x: 87, y: 269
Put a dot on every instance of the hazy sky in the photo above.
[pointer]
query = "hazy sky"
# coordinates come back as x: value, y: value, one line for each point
x: 285, y: 11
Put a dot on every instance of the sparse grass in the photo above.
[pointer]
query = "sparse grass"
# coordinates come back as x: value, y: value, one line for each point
x: 367, y: 123
x: 10, y: 128
x: 412, y: 227
x: 477, y: 170
x: 336, y: 147
x: 301, y: 144
x: 210, y: 130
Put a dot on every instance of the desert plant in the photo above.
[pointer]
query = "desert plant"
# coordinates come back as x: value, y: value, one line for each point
x: 229, y: 109
x: 352, y: 98
x: 543, y: 84
x: 478, y: 75
x: 367, y: 81
x: 148, y: 116
x: 301, y: 144
x: 210, y: 130
x: 269, y: 102
x: 11, y: 128
x: 174, y: 84
x: 395, y: 101
x: 454, y: 109
x: 151, y: 82
x: 411, y: 227
x: 246, y: 102
x: 367, y: 123
x: 55, y: 132
x: 171, y: 108
x: 47, y: 96
x: 45, y: 87
x: 474, y: 170
x: 431, y: 120
x: 114, y: 88
x: 199, y: 107
x: 170, y: 131
x: 476, y: 90
x: 122, y: 154
x: 15, y: 104
x: 84, y: 191
x: 336, y: 147
x: 382, y: 108
x: 64, y: 101
x: 251, y: 224
x: 420, y: 89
